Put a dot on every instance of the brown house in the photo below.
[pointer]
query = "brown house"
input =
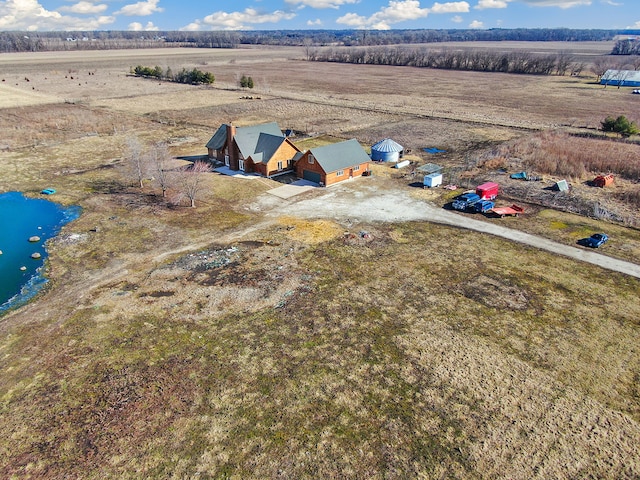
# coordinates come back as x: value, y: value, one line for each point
x: 333, y: 163
x: 261, y: 149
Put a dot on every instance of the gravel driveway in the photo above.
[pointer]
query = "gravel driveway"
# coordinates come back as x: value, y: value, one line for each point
x: 362, y: 200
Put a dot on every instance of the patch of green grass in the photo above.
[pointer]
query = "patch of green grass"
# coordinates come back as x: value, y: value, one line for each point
x: 320, y: 141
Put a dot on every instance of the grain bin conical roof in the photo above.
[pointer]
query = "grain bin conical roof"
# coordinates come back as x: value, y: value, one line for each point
x: 387, y: 145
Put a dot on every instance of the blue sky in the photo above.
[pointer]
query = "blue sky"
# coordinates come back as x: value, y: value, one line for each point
x: 203, y: 15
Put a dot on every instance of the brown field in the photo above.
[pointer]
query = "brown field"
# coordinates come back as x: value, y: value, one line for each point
x: 242, y: 339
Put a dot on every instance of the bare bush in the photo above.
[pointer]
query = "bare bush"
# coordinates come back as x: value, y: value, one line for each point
x: 190, y: 182
x: 159, y: 158
x: 136, y: 162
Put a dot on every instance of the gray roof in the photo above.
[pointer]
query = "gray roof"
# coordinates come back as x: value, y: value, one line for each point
x: 217, y: 141
x: 252, y: 140
x: 266, y: 146
x: 259, y: 142
x: 387, y: 145
x: 339, y: 156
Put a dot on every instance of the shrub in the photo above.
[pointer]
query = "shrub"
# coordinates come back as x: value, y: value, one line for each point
x: 620, y: 125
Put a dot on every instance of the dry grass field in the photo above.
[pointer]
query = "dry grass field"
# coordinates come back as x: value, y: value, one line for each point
x: 240, y: 340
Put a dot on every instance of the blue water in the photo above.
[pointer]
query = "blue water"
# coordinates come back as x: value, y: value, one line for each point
x: 21, y: 218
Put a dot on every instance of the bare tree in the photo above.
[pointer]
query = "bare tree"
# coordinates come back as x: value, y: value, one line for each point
x: 190, y: 179
x: 577, y: 67
x: 136, y: 163
x: 159, y: 157
x: 599, y: 66
x: 307, y: 43
x: 563, y: 62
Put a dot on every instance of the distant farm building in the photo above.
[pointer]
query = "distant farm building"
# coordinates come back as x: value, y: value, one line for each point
x: 261, y: 149
x: 386, y: 151
x: 621, y: 78
x: 333, y: 163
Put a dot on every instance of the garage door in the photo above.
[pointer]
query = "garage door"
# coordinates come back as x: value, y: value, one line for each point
x: 311, y: 176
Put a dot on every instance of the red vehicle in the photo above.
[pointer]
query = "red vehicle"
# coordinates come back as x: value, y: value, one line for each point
x: 513, y: 210
x: 488, y: 191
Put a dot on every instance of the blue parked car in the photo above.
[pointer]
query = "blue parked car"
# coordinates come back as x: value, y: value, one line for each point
x: 596, y: 240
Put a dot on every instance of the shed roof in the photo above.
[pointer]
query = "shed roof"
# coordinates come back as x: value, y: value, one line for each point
x: 430, y: 168
x: 338, y: 156
x: 387, y: 145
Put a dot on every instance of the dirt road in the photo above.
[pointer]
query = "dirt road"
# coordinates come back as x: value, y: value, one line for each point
x: 364, y: 201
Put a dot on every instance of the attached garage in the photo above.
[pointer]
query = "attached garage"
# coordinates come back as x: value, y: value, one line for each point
x: 312, y: 176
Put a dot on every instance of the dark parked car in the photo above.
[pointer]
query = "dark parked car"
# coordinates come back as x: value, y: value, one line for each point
x: 596, y: 240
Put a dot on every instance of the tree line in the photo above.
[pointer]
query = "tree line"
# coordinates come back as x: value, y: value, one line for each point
x: 449, y: 59
x: 191, y: 77
x: 105, y: 40
x: 628, y: 46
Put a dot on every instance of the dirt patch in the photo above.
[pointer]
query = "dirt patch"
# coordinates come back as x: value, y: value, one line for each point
x: 494, y: 293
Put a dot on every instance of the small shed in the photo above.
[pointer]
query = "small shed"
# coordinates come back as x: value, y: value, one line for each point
x: 432, y: 180
x: 603, y: 181
x: 562, y: 186
x: 386, y: 151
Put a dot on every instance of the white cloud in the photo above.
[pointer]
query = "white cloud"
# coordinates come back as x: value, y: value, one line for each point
x: 476, y: 24
x: 451, y: 7
x: 30, y: 15
x: 353, y: 20
x: 242, y: 20
x: 314, y: 23
x: 140, y: 9
x: 556, y: 3
x: 457, y: 19
x: 483, y: 4
x: 321, y: 3
x: 396, y: 12
x: 84, y: 8
x: 634, y: 26
x: 138, y: 27
x: 400, y: 11
x: 192, y: 27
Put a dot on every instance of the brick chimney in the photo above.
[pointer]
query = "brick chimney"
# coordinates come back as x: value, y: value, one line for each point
x: 231, y: 146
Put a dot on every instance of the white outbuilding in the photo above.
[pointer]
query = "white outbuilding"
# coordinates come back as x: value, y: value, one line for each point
x: 432, y: 180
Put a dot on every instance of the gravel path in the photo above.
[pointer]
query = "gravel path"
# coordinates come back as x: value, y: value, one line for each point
x: 362, y: 200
